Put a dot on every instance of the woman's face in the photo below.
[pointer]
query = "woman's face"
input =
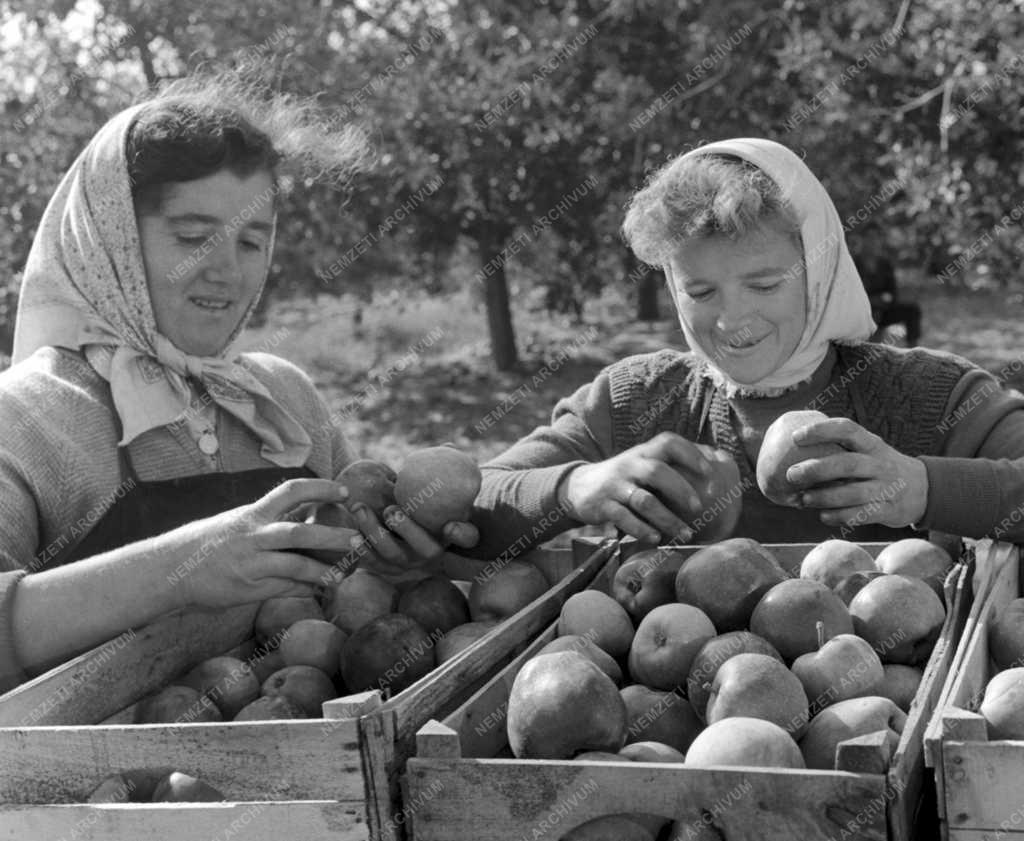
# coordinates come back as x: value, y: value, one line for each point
x: 206, y: 250
x: 744, y: 300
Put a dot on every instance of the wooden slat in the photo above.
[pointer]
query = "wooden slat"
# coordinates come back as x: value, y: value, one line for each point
x: 304, y: 821
x: 280, y: 760
x: 1012, y: 833
x: 506, y: 800
x: 983, y: 784
x: 99, y: 683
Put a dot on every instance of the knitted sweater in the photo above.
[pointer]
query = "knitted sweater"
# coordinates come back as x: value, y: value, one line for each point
x: 955, y: 417
x: 59, y: 467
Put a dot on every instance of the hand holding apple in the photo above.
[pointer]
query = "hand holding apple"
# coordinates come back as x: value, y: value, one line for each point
x: 870, y: 483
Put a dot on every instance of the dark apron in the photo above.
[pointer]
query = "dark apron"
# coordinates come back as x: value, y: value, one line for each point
x: 148, y: 509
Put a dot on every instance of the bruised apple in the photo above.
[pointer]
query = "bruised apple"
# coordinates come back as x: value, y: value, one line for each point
x: 435, y: 603
x: 711, y: 656
x: 369, y: 483
x: 561, y: 704
x: 788, y: 616
x: 505, y: 591
x: 832, y: 560
x: 665, y: 644
x: 437, y: 485
x: 726, y: 580
x: 390, y: 652
x: 779, y: 452
x: 599, y: 618
x: 646, y: 581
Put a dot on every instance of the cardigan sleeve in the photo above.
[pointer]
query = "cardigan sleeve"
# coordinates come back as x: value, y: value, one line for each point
x: 518, y: 507
x: 11, y: 673
x: 976, y: 483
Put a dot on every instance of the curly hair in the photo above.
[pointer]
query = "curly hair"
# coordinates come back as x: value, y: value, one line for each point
x: 196, y: 126
x: 701, y: 196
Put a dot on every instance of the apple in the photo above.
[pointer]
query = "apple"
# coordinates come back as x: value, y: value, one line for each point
x: 832, y: 560
x: 460, y: 638
x: 176, y: 704
x: 305, y: 686
x: 561, y: 704
x: 505, y: 591
x: 265, y: 664
x: 134, y: 785
x: 847, y: 720
x: 1003, y: 705
x: 435, y: 603
x: 721, y: 497
x: 788, y: 615
x: 853, y: 583
x: 270, y: 708
x: 369, y: 483
x: 390, y: 652
x: 599, y: 618
x: 655, y: 715
x: 313, y: 642
x: 182, y: 788
x: 726, y: 580
x: 665, y: 644
x: 333, y: 515
x: 1006, y: 635
x: 276, y: 615
x: 758, y: 686
x: 438, y: 485
x: 711, y: 656
x: 227, y: 681
x: 900, y: 616
x: 646, y: 581
x: 651, y: 752
x: 899, y: 684
x: 743, y: 740
x: 844, y: 667
x: 582, y: 645
x: 779, y: 452
x: 918, y: 558
x: 358, y: 598
x: 623, y: 827
x: 113, y: 789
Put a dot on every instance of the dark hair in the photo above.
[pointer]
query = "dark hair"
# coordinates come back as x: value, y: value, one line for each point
x: 200, y: 125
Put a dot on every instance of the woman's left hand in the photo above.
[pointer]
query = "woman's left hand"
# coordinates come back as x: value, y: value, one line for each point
x: 872, y: 483
x: 399, y: 544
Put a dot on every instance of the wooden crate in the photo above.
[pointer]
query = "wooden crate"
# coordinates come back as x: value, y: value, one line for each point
x: 334, y: 778
x: 459, y: 789
x: 978, y: 781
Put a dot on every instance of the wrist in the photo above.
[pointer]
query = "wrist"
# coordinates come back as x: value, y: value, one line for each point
x: 563, y: 496
x: 919, y: 494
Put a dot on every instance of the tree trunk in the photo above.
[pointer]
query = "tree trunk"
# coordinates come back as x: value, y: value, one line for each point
x: 646, y: 292
x: 499, y: 319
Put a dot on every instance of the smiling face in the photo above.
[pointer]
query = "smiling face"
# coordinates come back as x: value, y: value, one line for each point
x: 206, y: 249
x: 744, y: 300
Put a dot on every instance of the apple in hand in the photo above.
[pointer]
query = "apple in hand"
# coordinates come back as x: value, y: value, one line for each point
x: 721, y: 497
x: 779, y: 452
x: 843, y: 667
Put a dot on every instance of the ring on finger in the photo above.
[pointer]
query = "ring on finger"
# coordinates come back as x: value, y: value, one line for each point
x: 629, y: 496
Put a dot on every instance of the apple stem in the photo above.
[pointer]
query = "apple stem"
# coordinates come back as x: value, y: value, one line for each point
x: 820, y: 627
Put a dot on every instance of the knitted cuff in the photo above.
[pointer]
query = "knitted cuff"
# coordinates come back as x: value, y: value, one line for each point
x: 963, y: 496
x: 11, y: 672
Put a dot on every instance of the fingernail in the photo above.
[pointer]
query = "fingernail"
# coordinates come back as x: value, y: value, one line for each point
x: 359, y: 511
x: 342, y: 492
x: 685, y: 535
x: 694, y: 502
x: 652, y: 537
x: 357, y: 541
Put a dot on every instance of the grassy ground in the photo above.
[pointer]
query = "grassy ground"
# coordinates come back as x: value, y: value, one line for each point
x: 417, y: 371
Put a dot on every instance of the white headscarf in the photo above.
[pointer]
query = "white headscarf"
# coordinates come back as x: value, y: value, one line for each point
x: 838, y: 309
x: 85, y: 288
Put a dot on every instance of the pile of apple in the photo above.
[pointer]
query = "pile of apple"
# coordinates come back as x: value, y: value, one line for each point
x: 1002, y: 704
x: 363, y: 632
x: 723, y: 658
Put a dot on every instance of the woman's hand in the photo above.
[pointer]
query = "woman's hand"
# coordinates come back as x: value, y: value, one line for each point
x: 872, y: 483
x: 254, y: 552
x: 399, y: 543
x: 640, y: 490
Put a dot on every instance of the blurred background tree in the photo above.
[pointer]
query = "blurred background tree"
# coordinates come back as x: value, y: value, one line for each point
x: 509, y: 136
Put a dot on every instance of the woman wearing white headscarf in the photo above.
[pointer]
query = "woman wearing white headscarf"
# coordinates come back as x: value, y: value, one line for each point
x: 776, y: 320
x: 130, y: 417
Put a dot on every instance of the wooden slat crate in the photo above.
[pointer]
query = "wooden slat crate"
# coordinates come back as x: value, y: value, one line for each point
x: 978, y: 781
x: 335, y: 778
x: 460, y: 789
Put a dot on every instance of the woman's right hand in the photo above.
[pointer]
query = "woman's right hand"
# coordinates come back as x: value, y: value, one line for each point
x: 253, y: 552
x: 640, y: 490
